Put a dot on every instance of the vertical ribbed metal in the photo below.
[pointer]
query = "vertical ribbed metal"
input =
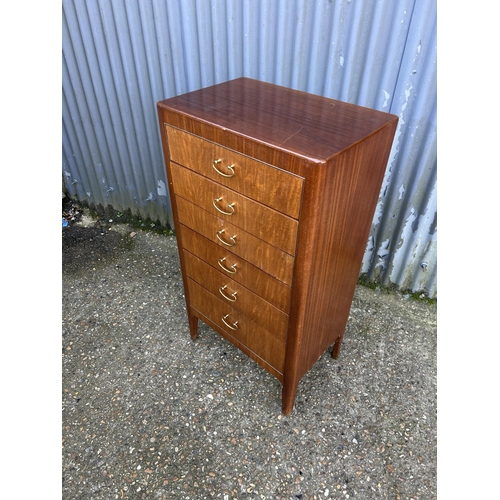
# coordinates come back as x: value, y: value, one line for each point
x: 122, y: 56
x: 403, y: 244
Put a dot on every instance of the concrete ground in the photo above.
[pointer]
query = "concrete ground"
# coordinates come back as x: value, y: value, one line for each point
x: 150, y: 414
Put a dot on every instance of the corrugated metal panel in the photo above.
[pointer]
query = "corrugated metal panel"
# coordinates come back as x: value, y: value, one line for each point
x: 403, y: 244
x: 121, y: 57
x: 110, y: 86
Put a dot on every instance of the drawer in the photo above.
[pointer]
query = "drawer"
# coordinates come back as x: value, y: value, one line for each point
x: 237, y: 296
x: 255, y: 218
x: 270, y: 259
x: 251, y: 335
x: 260, y: 181
x: 241, y: 271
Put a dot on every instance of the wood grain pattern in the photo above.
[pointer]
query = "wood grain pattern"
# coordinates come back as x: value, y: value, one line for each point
x: 260, y: 181
x: 252, y: 306
x: 265, y: 223
x: 270, y: 289
x: 254, y: 113
x: 193, y: 313
x: 349, y: 187
x: 337, y: 151
x: 256, y: 338
x: 270, y: 259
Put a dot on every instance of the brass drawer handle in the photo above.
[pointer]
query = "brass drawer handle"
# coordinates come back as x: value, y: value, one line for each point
x: 229, y: 167
x: 233, y: 295
x: 234, y: 326
x: 232, y: 238
x: 221, y: 264
x: 231, y: 206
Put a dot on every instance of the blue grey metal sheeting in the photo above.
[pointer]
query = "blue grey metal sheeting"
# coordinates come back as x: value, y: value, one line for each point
x: 121, y: 57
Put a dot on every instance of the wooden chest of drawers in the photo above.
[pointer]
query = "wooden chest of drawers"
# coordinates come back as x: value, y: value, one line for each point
x: 273, y: 194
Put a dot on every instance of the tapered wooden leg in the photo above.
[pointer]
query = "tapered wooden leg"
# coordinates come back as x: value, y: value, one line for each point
x: 288, y: 394
x: 336, y: 347
x: 193, y: 326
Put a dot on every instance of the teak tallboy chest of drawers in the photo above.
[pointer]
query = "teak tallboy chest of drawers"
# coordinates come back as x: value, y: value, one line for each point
x: 273, y: 193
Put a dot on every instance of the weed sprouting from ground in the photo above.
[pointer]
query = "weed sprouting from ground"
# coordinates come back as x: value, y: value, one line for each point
x: 392, y: 288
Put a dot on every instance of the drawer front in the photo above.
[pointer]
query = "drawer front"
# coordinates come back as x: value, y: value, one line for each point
x: 270, y: 259
x: 265, y: 223
x: 239, y: 270
x: 269, y: 185
x: 237, y: 296
x: 237, y: 325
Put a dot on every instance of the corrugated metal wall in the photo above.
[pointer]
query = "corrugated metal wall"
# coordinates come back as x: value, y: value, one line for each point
x: 122, y: 56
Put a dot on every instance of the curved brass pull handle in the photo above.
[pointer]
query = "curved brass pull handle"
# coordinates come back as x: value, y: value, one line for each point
x: 234, y: 326
x: 231, y: 206
x: 233, y: 295
x: 233, y: 267
x: 229, y: 167
x: 232, y: 238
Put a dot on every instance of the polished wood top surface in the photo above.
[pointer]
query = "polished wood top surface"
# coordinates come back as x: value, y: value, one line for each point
x: 304, y: 124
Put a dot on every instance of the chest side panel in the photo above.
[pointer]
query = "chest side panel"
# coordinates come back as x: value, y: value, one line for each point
x: 333, y: 246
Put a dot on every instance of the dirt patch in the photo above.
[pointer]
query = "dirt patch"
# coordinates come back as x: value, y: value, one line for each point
x: 87, y: 247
